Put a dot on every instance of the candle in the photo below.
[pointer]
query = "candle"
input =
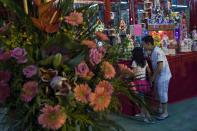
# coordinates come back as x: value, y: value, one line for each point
x: 25, y: 4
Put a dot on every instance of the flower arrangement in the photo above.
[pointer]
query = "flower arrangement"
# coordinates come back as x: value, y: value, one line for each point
x: 125, y: 48
x: 53, y: 75
x: 157, y: 39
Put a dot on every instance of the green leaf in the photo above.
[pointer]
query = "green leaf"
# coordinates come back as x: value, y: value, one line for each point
x: 77, y: 59
x: 47, y: 61
x: 66, y: 6
x: 14, y: 7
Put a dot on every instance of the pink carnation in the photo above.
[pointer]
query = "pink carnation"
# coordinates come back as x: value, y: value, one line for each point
x: 29, y: 91
x: 30, y: 71
x: 4, y: 91
x: 95, y: 56
x: 5, y: 76
x: 102, y: 50
x: 19, y: 54
x: 5, y: 55
x: 74, y: 18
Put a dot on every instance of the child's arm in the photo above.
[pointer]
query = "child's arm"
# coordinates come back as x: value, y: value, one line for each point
x: 131, y: 75
x: 134, y: 68
x: 157, y: 71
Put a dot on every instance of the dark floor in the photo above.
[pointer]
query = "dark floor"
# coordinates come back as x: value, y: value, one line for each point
x: 182, y: 117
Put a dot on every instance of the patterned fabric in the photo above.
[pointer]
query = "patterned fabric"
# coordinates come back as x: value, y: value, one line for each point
x: 141, y: 86
x: 140, y: 72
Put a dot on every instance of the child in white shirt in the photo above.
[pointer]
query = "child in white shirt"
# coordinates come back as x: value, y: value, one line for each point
x: 161, y: 74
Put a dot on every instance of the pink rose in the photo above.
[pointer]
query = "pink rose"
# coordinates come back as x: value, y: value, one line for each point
x: 30, y: 71
x: 82, y: 69
x: 19, y: 54
x: 29, y: 91
x: 95, y: 56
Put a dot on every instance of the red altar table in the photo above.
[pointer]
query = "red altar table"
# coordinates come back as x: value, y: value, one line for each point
x: 183, y: 84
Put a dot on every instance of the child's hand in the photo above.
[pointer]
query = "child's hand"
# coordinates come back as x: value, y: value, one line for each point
x: 152, y: 79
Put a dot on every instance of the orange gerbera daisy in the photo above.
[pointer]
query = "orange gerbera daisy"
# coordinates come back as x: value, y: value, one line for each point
x: 52, y: 117
x: 89, y: 43
x: 89, y: 75
x: 125, y: 69
x: 108, y: 88
x: 29, y: 91
x: 108, y: 70
x: 102, y: 36
x: 100, y: 100
x: 82, y: 93
x: 74, y: 18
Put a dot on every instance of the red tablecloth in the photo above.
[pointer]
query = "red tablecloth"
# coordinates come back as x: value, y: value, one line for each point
x: 183, y: 84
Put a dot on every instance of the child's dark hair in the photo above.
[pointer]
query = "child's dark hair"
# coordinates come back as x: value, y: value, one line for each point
x: 148, y: 39
x: 138, y: 56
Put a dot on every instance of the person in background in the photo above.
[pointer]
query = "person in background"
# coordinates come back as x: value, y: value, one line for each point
x: 161, y: 74
x: 140, y: 83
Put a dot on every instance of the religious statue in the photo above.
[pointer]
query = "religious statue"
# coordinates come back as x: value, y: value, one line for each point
x: 100, y: 26
x: 122, y: 26
x: 122, y: 30
x: 194, y: 35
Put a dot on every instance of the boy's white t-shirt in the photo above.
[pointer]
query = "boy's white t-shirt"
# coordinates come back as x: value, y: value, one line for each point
x: 140, y: 72
x: 159, y: 56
